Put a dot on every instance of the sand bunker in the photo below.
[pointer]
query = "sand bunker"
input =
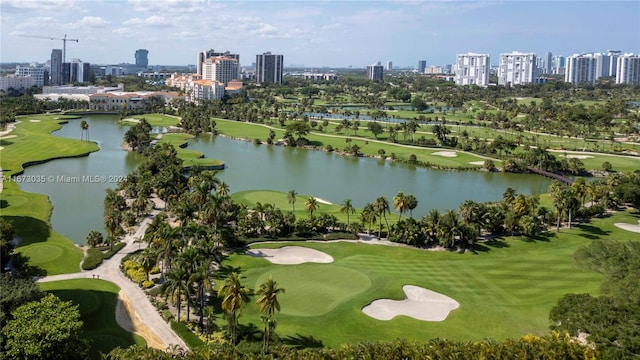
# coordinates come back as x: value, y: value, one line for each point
x: 476, y: 162
x: 578, y: 156
x: 629, y: 227
x: 8, y: 137
x: 34, y: 120
x: 291, y: 255
x: 420, y: 304
x: 322, y: 201
x: 127, y: 319
x: 445, y: 153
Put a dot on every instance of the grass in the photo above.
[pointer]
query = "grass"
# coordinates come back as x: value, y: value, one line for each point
x: 279, y: 200
x: 158, y: 119
x: 189, y: 338
x: 97, y: 303
x: 47, y: 250
x: 368, y: 146
x: 506, y: 290
x: 189, y: 157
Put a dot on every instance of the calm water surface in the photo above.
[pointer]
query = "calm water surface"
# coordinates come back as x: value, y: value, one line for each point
x: 78, y: 206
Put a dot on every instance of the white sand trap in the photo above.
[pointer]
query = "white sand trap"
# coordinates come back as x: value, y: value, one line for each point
x: 445, y: 153
x: 34, y: 120
x: 476, y: 162
x: 322, y: 201
x: 291, y: 255
x: 421, y: 304
x: 578, y: 156
x: 629, y: 227
x: 8, y: 137
x: 131, y: 120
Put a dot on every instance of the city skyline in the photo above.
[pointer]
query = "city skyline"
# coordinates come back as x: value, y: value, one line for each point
x: 326, y: 33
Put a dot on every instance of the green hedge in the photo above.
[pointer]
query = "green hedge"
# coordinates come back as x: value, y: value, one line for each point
x: 96, y: 255
x: 92, y: 260
x: 191, y: 339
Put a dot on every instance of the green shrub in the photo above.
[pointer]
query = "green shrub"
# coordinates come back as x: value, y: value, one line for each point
x: 117, y: 247
x: 146, y: 284
x: 92, y: 260
x: 191, y: 339
x: 167, y: 315
x: 154, y: 270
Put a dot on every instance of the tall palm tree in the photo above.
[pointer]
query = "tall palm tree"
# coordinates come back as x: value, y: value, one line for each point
x: 223, y: 189
x: 148, y: 259
x: 311, y: 205
x: 291, y: 197
x: 84, y: 126
x: 175, y: 285
x: 381, y: 206
x: 268, y: 301
x: 347, y: 208
x: 112, y: 223
x: 400, y: 203
x: 235, y: 295
x: 412, y: 203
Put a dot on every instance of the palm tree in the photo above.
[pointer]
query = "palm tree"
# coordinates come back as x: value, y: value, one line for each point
x: 222, y: 189
x: 269, y: 304
x: 348, y: 209
x: 381, y: 206
x: 311, y: 205
x: 148, y: 258
x: 175, y: 284
x: 400, y: 203
x: 368, y: 216
x: 291, y: 197
x: 112, y: 221
x: 412, y: 203
x: 84, y: 126
x: 235, y: 295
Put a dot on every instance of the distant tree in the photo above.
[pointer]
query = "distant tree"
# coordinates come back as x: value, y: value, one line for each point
x: 94, y: 238
x: 269, y: 305
x: 311, y: 205
x: 347, y: 208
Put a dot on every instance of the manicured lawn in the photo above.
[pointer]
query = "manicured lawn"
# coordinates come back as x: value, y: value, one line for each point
x: 97, y: 301
x: 158, y: 119
x: 368, y: 146
x: 506, y: 290
x: 29, y: 212
x: 280, y: 200
x: 189, y: 157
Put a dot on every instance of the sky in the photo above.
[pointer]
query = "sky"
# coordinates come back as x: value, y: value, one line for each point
x: 314, y: 33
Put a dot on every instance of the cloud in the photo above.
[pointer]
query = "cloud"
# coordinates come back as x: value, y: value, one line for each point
x: 123, y: 31
x: 92, y: 21
x: 174, y: 6
x: 38, y: 6
x: 153, y: 20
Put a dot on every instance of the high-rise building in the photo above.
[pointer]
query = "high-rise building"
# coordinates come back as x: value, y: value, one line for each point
x: 517, y: 68
x: 472, y: 69
x: 204, y: 55
x: 613, y: 61
x: 375, y: 72
x: 628, y: 69
x: 583, y: 68
x: 558, y: 65
x: 548, y: 62
x: 389, y: 65
x: 422, y: 66
x: 40, y: 75
x: 142, y: 58
x: 56, y: 67
x: 221, y: 68
x: 269, y: 68
x: 79, y: 71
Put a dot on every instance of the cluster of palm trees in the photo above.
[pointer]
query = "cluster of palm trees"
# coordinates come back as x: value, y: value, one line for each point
x: 235, y: 295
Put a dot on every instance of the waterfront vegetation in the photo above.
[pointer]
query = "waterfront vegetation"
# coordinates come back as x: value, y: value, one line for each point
x: 507, y: 283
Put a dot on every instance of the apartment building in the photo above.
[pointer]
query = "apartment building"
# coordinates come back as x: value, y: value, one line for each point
x: 472, y: 69
x: 517, y: 68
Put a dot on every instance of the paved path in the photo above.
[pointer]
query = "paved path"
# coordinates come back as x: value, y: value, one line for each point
x: 110, y: 271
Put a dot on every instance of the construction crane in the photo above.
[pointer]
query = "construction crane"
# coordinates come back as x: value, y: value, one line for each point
x: 64, y: 43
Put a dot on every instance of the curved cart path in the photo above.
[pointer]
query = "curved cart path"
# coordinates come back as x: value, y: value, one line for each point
x: 144, y: 311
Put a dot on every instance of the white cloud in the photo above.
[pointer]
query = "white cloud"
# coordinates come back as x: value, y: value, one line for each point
x: 173, y: 6
x: 123, y: 31
x: 153, y: 20
x: 92, y: 21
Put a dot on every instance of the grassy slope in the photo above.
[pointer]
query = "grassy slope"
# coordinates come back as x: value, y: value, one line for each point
x: 367, y: 146
x: 97, y: 301
x: 189, y: 157
x: 506, y: 290
x: 30, y: 212
x: 158, y: 119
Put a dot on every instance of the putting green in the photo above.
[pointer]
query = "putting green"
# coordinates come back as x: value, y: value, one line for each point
x: 39, y: 254
x: 316, y: 289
